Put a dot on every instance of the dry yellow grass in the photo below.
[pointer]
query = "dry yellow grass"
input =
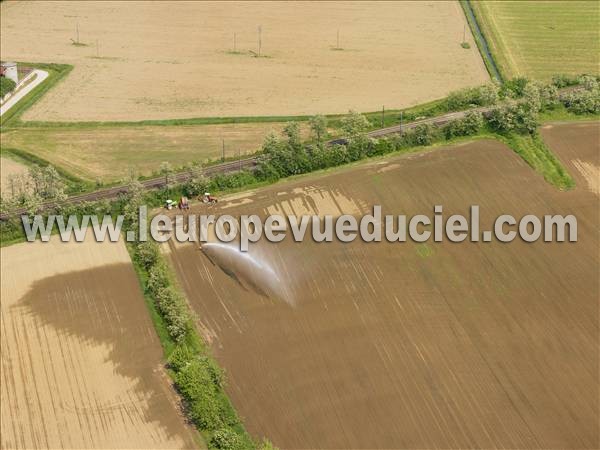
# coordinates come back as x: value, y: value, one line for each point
x: 151, y: 60
x: 108, y: 153
x: 81, y: 363
x: 9, y: 167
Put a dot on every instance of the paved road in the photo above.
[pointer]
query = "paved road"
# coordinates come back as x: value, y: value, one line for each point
x: 40, y: 75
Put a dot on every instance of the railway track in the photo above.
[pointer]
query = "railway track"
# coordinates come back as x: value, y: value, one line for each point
x: 153, y: 183
x: 252, y: 162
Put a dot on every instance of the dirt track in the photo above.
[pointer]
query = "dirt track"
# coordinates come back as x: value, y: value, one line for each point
x: 81, y: 363
x: 411, y: 345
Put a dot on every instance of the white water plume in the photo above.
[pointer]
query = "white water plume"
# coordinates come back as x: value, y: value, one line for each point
x: 250, y: 270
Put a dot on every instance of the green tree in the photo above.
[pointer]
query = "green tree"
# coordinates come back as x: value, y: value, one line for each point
x: 318, y: 128
x: 354, y: 124
x: 6, y: 85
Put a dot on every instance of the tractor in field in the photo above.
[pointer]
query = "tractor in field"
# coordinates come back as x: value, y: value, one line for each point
x: 183, y: 203
x: 208, y: 199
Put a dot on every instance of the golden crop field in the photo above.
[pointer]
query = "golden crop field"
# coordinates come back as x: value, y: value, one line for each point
x: 408, y: 345
x: 81, y: 362
x: 177, y: 60
x: 542, y: 38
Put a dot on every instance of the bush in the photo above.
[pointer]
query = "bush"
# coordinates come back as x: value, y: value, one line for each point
x: 423, y: 134
x: 226, y: 439
x: 519, y: 117
x: 561, y: 81
x: 174, y: 309
x: 479, y: 96
x: 514, y: 88
x: 470, y: 124
x: 6, y: 85
x: 158, y: 278
x: 147, y: 253
x: 194, y: 381
x: 195, y: 186
x: 180, y: 357
x: 583, y: 102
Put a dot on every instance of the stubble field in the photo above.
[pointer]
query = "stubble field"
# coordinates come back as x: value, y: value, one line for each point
x: 177, y: 60
x: 413, y: 345
x: 81, y: 362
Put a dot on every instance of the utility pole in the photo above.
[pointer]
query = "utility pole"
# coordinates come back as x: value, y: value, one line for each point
x: 259, y: 39
x: 382, y: 116
x: 77, y: 32
x: 97, y: 49
x: 240, y: 158
x: 464, y: 32
x: 234, y: 44
x: 223, y: 151
x: 338, y: 39
x: 401, y: 113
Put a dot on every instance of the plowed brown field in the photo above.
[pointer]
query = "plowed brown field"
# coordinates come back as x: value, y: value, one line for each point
x: 165, y: 60
x: 81, y: 363
x: 379, y: 345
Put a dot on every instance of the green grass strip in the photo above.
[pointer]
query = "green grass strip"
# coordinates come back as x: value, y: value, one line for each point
x: 56, y: 73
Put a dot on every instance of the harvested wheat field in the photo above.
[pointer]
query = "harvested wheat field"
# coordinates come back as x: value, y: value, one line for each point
x: 390, y: 53
x: 81, y: 363
x: 9, y: 168
x: 108, y: 153
x: 380, y: 345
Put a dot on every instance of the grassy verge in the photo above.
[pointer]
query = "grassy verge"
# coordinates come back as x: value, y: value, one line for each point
x: 56, y: 73
x: 560, y: 113
x: 537, y: 155
x: 197, y: 377
x: 391, y: 117
x: 483, y: 44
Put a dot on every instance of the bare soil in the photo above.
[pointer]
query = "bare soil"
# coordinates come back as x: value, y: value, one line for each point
x: 406, y: 345
x: 81, y: 362
x: 158, y: 60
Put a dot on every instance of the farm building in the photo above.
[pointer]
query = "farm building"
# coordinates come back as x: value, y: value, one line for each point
x: 9, y: 70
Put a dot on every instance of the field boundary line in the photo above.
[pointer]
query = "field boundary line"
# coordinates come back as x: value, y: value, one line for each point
x: 485, y: 51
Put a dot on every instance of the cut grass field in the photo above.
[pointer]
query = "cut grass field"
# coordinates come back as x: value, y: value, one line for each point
x: 107, y: 153
x: 539, y: 39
